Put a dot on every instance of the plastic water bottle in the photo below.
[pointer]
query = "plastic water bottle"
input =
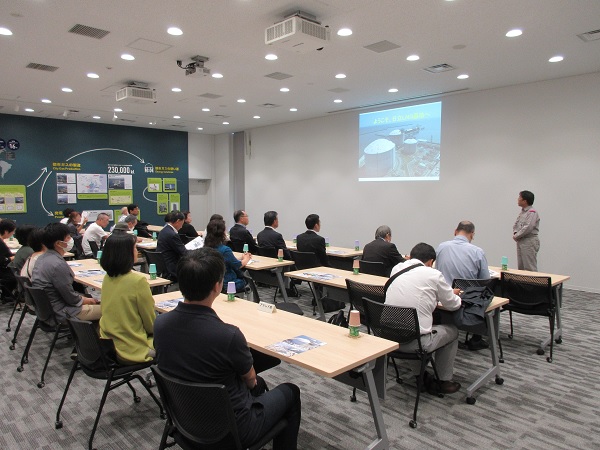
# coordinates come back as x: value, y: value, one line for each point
x: 99, y: 255
x: 154, y: 235
x: 504, y: 263
x: 152, y: 271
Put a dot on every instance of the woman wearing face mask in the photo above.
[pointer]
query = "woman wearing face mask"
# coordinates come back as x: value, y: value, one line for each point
x: 53, y: 274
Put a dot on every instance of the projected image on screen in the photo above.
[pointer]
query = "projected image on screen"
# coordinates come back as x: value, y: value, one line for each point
x: 400, y: 144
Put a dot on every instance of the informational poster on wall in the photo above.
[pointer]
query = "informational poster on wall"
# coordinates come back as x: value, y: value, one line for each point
x: 48, y: 165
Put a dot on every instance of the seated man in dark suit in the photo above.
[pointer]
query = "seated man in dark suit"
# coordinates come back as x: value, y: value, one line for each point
x: 170, y: 245
x: 194, y: 344
x: 269, y: 238
x: 310, y: 241
x: 239, y: 234
x: 382, y: 249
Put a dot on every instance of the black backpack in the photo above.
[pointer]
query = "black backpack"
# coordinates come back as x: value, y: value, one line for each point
x: 339, y: 320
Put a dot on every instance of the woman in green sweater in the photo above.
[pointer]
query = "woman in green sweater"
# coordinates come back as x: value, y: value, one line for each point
x: 127, y: 304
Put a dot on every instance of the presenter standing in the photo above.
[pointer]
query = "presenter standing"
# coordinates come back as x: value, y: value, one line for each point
x: 525, y: 232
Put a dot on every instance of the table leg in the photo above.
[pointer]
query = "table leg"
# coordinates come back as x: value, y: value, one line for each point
x: 319, y: 302
x: 558, y: 330
x: 278, y: 274
x: 493, y: 322
x: 382, y: 441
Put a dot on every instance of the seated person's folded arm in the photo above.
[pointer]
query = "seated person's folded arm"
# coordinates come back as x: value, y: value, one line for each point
x: 446, y: 295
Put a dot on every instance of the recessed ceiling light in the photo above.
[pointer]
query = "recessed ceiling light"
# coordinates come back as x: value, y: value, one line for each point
x: 29, y: 110
x: 392, y: 90
x: 557, y: 58
x: 66, y: 89
x: 176, y: 89
x: 174, y: 31
x: 45, y: 100
x: 337, y: 100
x: 344, y: 32
x: 93, y: 75
x: 127, y: 57
x: 176, y: 117
x: 200, y: 128
x: 225, y: 123
x: 341, y: 75
x: 293, y: 109
x: 217, y: 75
x: 256, y: 117
x: 413, y: 58
x: 463, y: 76
x: 241, y: 100
x: 206, y: 109
x: 117, y: 110
x: 96, y: 117
x: 285, y: 89
x: 5, y: 31
x: 271, y: 56
x: 514, y: 33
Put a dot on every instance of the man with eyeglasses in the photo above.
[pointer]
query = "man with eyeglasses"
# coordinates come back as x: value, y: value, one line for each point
x: 239, y: 234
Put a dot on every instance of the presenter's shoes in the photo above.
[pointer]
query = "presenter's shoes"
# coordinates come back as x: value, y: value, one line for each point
x: 477, y: 344
x: 442, y: 387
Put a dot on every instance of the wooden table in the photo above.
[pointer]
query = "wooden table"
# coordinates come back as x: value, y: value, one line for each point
x: 337, y: 284
x: 557, y: 284
x: 155, y: 228
x: 271, y: 265
x: 339, y: 257
x: 333, y: 360
x: 80, y: 267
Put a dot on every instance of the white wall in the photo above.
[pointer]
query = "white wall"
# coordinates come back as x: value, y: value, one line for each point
x: 543, y: 137
x: 201, y: 160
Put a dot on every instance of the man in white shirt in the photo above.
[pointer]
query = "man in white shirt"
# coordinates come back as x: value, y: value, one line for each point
x: 95, y: 232
x: 423, y: 287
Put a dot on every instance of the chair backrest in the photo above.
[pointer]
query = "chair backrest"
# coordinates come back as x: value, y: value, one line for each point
x: 185, y: 238
x: 305, y: 260
x: 395, y: 323
x: 94, y: 248
x: 23, y: 283
x: 356, y: 292
x: 156, y: 259
x: 267, y: 252
x: 78, y: 248
x: 238, y: 246
x: 373, y: 268
x: 43, y: 307
x: 202, y: 413
x: 91, y: 354
x: 463, y: 283
x: 527, y: 292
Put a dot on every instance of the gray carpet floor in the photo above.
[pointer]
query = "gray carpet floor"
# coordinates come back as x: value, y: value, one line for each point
x: 539, y: 406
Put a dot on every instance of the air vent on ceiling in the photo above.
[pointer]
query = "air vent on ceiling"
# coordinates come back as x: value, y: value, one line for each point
x: 92, y: 32
x: 382, y: 46
x: 590, y: 36
x: 439, y: 68
x: 278, y: 76
x: 44, y: 67
x: 269, y: 105
x: 209, y: 95
x: 221, y: 116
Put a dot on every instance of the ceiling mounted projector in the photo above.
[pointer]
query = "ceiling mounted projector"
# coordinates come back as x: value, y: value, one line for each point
x: 136, y: 92
x: 196, y: 67
x: 299, y: 32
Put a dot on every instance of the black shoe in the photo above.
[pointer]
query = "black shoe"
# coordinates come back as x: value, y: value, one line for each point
x: 475, y: 345
x: 291, y: 292
x: 442, y: 387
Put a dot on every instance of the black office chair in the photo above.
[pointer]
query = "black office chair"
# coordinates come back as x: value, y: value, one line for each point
x: 268, y: 252
x: 28, y: 307
x: 19, y: 300
x: 236, y: 246
x: 400, y: 325
x: 373, y: 268
x: 45, y: 320
x: 307, y: 260
x: 464, y: 283
x: 156, y: 258
x: 185, y: 238
x: 200, y: 416
x: 97, y: 359
x: 530, y: 295
x: 94, y: 248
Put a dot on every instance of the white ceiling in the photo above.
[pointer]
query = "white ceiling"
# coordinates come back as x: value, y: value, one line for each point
x: 467, y: 34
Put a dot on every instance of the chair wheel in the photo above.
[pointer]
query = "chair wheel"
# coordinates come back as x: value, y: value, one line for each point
x: 12, y: 347
x: 558, y: 341
x: 413, y: 424
x: 501, y: 360
x: 41, y: 384
x: 499, y: 381
x: 471, y: 400
x: 58, y: 425
x: 20, y: 369
x: 440, y: 395
x: 163, y: 416
x: 510, y: 336
x: 137, y: 399
x: 399, y: 380
x: 540, y: 351
x: 8, y: 329
x: 353, y: 398
x: 549, y: 359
